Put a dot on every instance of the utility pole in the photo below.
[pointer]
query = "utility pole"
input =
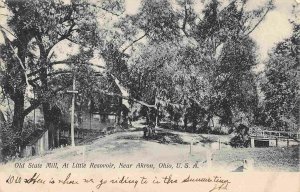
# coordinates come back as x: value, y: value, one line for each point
x: 73, y: 111
x: 156, y: 118
x: 34, y: 123
x: 157, y: 112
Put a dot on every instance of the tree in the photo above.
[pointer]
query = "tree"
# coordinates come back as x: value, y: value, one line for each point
x: 224, y: 34
x: 208, y: 53
x: 281, y: 87
x: 234, y: 81
x: 158, y: 20
x: 39, y: 27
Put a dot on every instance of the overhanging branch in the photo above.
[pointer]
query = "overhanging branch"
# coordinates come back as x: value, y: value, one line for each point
x: 38, y: 102
x: 134, y: 42
x: 261, y: 19
x: 8, y: 42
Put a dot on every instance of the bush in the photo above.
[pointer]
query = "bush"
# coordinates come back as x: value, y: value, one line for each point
x: 239, y: 141
x: 242, y: 137
x: 149, y: 131
x: 10, y: 142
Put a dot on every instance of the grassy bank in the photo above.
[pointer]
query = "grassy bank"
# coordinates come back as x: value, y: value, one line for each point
x: 265, y: 159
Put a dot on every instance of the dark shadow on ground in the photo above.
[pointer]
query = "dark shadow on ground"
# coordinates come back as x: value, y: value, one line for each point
x: 159, y: 136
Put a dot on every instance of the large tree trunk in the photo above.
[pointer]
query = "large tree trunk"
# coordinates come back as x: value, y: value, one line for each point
x: 16, y: 92
x: 119, y: 121
x: 47, y: 112
x: 45, y: 89
x: 47, y: 123
x: 18, y: 117
x: 50, y: 124
x: 194, y: 125
x: 18, y: 97
x: 185, y: 121
x: 17, y: 125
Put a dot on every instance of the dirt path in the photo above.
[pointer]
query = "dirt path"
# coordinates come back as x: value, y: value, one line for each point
x: 131, y: 147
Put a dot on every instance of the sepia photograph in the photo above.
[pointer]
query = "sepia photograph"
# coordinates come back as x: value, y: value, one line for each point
x: 179, y: 91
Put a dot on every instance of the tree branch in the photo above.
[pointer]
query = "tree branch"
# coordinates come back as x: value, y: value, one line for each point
x: 16, y: 55
x: 63, y: 36
x: 51, y: 74
x: 185, y: 19
x: 70, y: 62
x: 38, y: 102
x: 1, y: 27
x: 33, y: 106
x: 128, y: 98
x: 261, y: 19
x: 63, y: 62
x: 134, y: 42
x: 108, y: 11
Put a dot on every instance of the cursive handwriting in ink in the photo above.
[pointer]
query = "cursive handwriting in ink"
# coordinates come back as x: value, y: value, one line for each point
x: 125, y: 180
x: 88, y: 180
x: 218, y: 187
x: 34, y: 179
x: 101, y: 182
x: 169, y: 180
x: 12, y: 179
x: 68, y: 181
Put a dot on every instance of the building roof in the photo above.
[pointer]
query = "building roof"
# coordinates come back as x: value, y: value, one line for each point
x: 2, y: 117
x: 34, y: 137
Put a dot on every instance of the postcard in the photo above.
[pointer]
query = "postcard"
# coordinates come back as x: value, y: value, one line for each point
x: 149, y: 95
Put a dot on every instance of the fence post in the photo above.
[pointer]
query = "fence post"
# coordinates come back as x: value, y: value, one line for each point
x: 252, y: 142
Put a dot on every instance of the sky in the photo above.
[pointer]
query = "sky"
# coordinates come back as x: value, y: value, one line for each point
x: 273, y: 29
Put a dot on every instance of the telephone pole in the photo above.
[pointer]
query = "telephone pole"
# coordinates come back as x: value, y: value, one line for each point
x: 73, y: 111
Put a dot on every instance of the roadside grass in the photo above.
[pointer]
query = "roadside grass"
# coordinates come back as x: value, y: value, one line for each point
x: 265, y: 159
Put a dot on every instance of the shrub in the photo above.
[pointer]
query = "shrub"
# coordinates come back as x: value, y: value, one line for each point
x: 242, y: 137
x: 10, y: 141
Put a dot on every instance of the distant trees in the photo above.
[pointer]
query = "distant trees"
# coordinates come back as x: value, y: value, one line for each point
x: 200, y: 63
x: 281, y: 85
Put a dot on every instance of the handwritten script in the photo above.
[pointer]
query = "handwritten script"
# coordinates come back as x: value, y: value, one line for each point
x: 216, y: 183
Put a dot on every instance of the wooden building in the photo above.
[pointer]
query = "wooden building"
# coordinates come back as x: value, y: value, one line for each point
x: 101, y: 112
x: 107, y: 111
x: 36, y: 143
